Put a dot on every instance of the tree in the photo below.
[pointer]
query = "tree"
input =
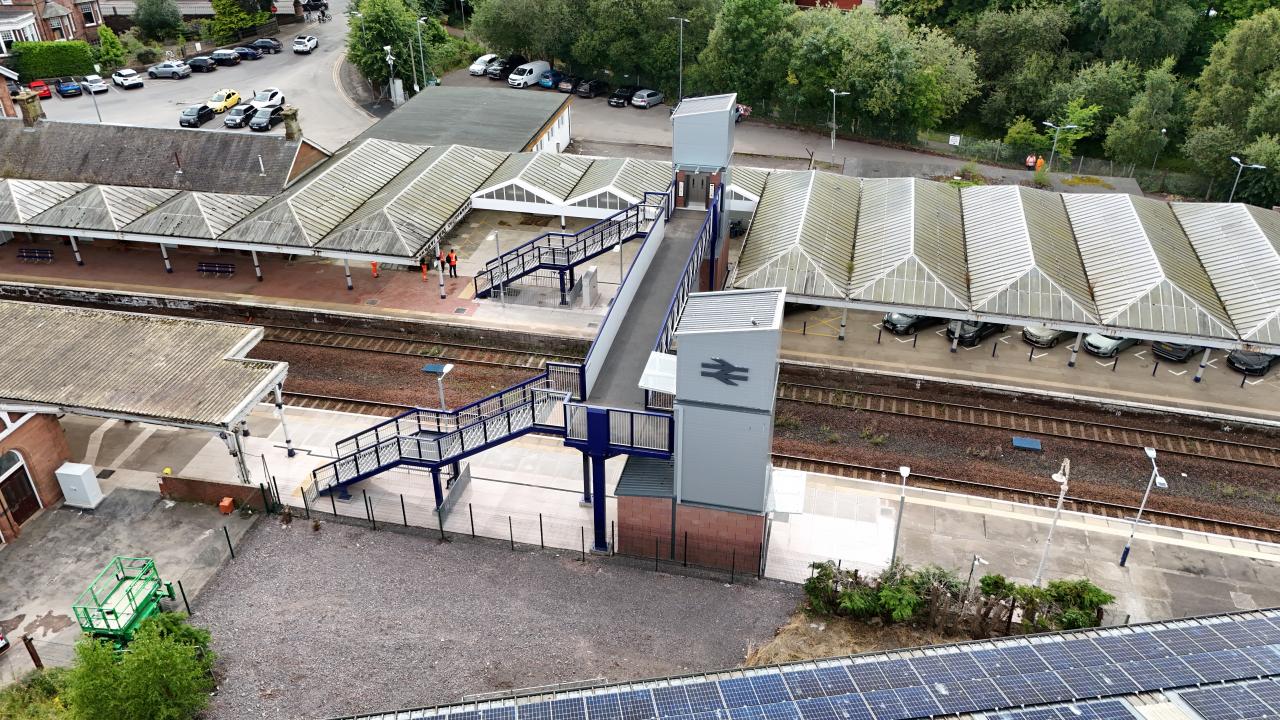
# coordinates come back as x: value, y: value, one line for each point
x: 1110, y: 85
x: 1264, y: 116
x: 538, y: 28
x: 1238, y: 70
x: 383, y: 23
x: 110, y: 52
x: 1261, y: 187
x: 1210, y: 149
x: 635, y: 40
x: 1024, y: 137
x: 157, y: 19
x: 1146, y: 31
x: 230, y: 19
x: 1084, y: 117
x: 742, y: 51
x: 1141, y: 133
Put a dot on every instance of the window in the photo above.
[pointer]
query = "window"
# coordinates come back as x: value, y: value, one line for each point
x: 86, y: 12
x: 55, y: 26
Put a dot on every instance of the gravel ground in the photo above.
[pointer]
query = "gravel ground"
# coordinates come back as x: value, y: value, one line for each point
x: 315, y: 625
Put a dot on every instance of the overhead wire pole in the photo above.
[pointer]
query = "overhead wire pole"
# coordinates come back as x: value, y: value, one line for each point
x: 680, y: 73
x: 834, y: 95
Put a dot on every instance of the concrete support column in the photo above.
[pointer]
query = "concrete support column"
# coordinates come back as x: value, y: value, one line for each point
x: 955, y: 342
x: 257, y: 268
x: 1075, y: 349
x: 435, y: 485
x: 586, y: 479
x: 844, y: 322
x: 1204, y: 361
x: 288, y: 442
x: 346, y: 268
x: 164, y: 253
x: 563, y: 224
x: 75, y: 250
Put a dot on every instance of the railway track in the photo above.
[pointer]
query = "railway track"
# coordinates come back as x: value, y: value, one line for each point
x: 452, y: 352
x: 342, y: 404
x: 1031, y: 424
x: 1032, y: 497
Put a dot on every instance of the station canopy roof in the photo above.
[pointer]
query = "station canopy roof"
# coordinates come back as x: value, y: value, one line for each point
x: 149, y: 368
x: 1120, y: 264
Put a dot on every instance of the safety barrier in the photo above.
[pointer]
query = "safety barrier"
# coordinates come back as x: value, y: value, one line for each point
x: 707, y: 235
x: 629, y: 430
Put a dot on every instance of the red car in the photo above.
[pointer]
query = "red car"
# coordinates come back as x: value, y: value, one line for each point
x: 40, y: 88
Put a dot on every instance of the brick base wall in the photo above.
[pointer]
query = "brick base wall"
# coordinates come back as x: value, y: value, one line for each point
x: 208, y: 492
x: 715, y: 538
x: 42, y: 443
x: 640, y: 520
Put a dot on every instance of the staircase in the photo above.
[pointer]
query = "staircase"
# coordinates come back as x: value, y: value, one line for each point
x: 437, y: 438
x: 562, y: 251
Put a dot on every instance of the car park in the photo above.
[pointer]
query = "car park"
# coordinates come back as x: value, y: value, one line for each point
x: 550, y: 79
x: 202, y: 63
x: 1250, y: 362
x: 267, y: 118
x: 40, y: 88
x: 568, y: 83
x: 239, y: 116
x: 621, y: 97
x: 304, y: 44
x: 175, y: 69
x: 67, y: 87
x: 1044, y: 337
x: 225, y: 57
x: 1174, y: 352
x: 94, y: 84
x: 528, y: 74
x: 646, y: 99
x: 480, y: 64
x: 126, y: 79
x: 591, y: 88
x: 1107, y: 345
x: 267, y: 97
x: 195, y: 115
x: 971, y: 333
x: 224, y: 100
x: 904, y: 324
x: 247, y: 53
x: 270, y: 46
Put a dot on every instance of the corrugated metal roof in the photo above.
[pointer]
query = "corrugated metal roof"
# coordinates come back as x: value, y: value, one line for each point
x: 598, y: 177
x: 221, y: 210
x: 343, y: 185
x: 749, y: 181
x: 1239, y: 246
x: 144, y: 366
x: 1022, y: 257
x: 86, y: 210
x: 628, y: 178
x: 551, y: 175
x: 710, y: 103
x: 910, y: 245
x: 732, y: 310
x: 32, y: 197
x: 179, y: 216
x: 646, y: 477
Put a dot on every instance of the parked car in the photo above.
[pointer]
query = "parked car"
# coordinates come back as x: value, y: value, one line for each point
x: 14, y: 88
x: 40, y: 88
x: 315, y: 5
x: 1251, y: 363
x: 175, y: 69
x: 591, y: 88
x: 4, y: 642
x: 267, y: 97
x: 94, y: 84
x: 646, y: 99
x: 482, y: 63
x: 247, y: 53
x: 528, y: 74
x: 1044, y: 337
x: 904, y: 324
x: 126, y: 79
x: 550, y: 79
x: 621, y: 97
x: 304, y: 44
x: 267, y: 118
x: 202, y: 63
x: 1107, y: 345
x: 502, y: 69
x: 225, y: 57
x: 270, y: 46
x: 568, y: 83
x: 224, y: 100
x: 1174, y: 352
x: 240, y: 115
x: 195, y: 115
x: 67, y: 87
x: 972, y: 333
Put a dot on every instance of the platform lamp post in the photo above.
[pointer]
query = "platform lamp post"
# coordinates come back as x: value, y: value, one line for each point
x: 428, y: 76
x: 94, y: 96
x: 1155, y: 480
x: 1061, y: 477
x: 834, y: 95
x: 439, y: 370
x: 1164, y: 134
x: 1240, y: 166
x: 1056, y: 131
x: 391, y: 76
x: 905, y: 472
x: 680, y: 75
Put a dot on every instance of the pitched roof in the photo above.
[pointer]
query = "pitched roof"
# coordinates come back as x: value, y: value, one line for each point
x: 480, y: 117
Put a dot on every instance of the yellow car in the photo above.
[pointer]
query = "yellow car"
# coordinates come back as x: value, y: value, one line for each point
x: 224, y: 100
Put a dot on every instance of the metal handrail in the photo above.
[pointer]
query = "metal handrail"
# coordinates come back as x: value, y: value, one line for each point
x: 692, y: 272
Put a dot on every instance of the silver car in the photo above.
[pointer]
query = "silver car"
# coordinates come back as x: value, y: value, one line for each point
x: 94, y: 84
x: 175, y: 69
x: 646, y: 99
x: 1107, y: 345
x: 1044, y: 337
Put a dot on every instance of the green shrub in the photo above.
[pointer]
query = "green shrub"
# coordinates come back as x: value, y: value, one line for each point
x: 35, y: 696
x: 148, y: 55
x: 34, y: 60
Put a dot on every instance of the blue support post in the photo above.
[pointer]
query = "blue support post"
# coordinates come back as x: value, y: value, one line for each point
x: 564, y: 293
x: 598, y: 444
x: 435, y: 485
x: 586, y: 479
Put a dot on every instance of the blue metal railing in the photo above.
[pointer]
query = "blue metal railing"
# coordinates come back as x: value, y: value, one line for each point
x: 692, y: 273
x: 629, y: 430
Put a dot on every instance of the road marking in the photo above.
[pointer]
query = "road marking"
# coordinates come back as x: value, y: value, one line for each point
x: 1005, y: 339
x: 903, y: 340
x: 1140, y: 353
x: 337, y: 83
x: 1103, y: 364
x: 1179, y: 373
x: 975, y: 347
x: 1212, y: 363
x: 876, y: 326
x: 1255, y: 382
x: 940, y: 333
x: 1038, y: 355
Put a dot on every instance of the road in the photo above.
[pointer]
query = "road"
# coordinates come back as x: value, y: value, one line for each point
x: 309, y: 82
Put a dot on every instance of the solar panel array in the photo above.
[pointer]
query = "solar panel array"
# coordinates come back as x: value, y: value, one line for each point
x: 1237, y: 701
x: 1096, y: 710
x: 990, y: 676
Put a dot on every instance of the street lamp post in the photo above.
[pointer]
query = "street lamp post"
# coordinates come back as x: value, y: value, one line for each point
x: 1163, y: 133
x: 422, y: 57
x: 1056, y: 131
x: 1240, y: 166
x: 391, y: 77
x: 904, y: 471
x: 439, y: 370
x: 834, y: 95
x: 977, y: 560
x: 1155, y: 480
x: 1061, y: 478
x: 680, y: 85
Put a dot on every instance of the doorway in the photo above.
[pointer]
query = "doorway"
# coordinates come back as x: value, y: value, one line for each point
x: 17, y: 492
x: 697, y: 187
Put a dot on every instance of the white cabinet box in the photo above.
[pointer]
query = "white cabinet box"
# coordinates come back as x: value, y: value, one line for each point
x: 79, y: 485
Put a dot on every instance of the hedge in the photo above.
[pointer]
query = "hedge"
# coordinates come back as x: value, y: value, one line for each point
x: 34, y: 60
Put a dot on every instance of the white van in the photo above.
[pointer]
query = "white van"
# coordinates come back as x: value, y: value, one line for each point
x: 528, y: 73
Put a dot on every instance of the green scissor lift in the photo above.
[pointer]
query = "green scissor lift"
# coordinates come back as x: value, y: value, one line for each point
x: 126, y: 592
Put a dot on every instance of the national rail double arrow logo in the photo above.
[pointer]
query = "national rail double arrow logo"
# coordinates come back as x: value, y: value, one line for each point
x: 724, y: 371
